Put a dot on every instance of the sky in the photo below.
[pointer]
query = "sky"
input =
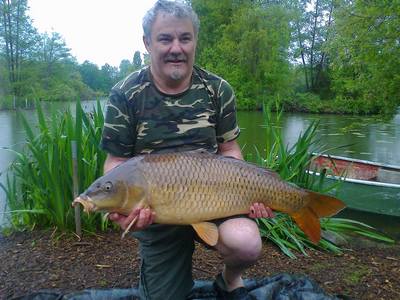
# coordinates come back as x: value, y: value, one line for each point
x: 101, y: 31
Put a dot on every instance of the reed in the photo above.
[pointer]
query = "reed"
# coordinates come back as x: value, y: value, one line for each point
x: 292, y: 164
x: 39, y: 185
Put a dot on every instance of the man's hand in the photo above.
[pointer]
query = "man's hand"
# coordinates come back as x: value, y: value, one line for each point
x: 258, y: 210
x: 145, y: 217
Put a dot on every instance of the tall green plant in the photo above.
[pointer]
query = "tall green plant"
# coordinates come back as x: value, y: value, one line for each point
x: 39, y: 187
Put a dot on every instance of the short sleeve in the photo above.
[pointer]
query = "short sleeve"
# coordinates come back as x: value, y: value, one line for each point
x: 117, y: 136
x: 227, y: 127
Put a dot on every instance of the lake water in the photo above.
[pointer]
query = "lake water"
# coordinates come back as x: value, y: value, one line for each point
x: 359, y: 137
x: 365, y: 138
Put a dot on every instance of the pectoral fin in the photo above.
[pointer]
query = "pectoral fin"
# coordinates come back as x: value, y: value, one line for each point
x: 129, y: 227
x: 134, y: 220
x: 207, y: 231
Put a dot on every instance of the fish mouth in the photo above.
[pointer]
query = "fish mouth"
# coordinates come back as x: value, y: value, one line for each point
x: 86, y: 202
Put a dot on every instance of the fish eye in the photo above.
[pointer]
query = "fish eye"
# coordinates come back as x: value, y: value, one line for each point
x: 108, y: 186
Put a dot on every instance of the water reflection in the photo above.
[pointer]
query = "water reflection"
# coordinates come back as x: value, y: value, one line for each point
x: 12, y: 136
x: 292, y: 128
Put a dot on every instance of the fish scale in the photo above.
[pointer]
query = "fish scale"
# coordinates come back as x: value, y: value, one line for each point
x: 192, y: 187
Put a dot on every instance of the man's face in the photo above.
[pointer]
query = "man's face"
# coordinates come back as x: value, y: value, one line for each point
x: 172, y: 48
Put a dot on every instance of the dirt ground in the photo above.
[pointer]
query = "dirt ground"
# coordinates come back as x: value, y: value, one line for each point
x: 32, y: 261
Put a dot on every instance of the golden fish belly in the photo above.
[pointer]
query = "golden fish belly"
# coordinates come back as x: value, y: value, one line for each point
x: 190, y: 188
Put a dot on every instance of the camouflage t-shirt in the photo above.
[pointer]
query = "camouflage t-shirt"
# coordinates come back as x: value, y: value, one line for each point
x: 141, y: 119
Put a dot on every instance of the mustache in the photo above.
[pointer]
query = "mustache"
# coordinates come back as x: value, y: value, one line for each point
x: 175, y: 58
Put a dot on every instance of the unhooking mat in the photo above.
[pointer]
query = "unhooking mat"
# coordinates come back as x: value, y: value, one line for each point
x: 278, y: 287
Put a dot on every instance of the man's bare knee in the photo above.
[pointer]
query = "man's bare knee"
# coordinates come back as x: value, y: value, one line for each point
x: 239, y: 241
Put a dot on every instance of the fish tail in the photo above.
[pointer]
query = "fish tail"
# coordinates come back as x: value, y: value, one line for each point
x: 319, y: 206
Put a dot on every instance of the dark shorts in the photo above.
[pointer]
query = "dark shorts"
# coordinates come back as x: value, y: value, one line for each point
x: 166, y: 253
x: 166, y: 261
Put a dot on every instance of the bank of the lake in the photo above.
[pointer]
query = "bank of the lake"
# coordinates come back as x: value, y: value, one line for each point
x: 313, y: 103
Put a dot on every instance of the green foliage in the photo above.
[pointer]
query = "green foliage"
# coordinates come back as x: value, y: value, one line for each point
x: 365, y: 54
x: 311, y: 24
x: 39, y: 185
x: 306, y: 102
x: 137, y: 61
x: 312, y: 103
x: 33, y: 65
x: 126, y: 67
x: 247, y: 44
x: 339, y: 225
x: 18, y: 37
x: 318, y: 56
x: 291, y: 163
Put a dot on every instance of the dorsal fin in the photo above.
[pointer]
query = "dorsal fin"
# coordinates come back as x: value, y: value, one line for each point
x: 207, y: 231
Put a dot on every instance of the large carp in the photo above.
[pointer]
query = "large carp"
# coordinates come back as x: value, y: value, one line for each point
x: 192, y: 187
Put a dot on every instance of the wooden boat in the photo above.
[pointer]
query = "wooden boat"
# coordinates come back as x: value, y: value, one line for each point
x: 366, y: 185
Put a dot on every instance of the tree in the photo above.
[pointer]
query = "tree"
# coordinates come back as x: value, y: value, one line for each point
x: 18, y: 38
x: 52, y: 53
x: 137, y: 61
x: 248, y: 46
x: 146, y: 59
x: 53, y: 49
x: 365, y: 53
x: 109, y: 77
x: 125, y: 67
x: 311, y: 23
x: 91, y: 75
x: 35, y: 65
x: 214, y: 15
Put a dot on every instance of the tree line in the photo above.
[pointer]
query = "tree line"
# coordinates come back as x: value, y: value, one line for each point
x: 306, y: 55
x: 37, y: 65
x: 311, y: 55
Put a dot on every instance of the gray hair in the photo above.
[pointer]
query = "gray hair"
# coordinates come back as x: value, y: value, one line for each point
x: 178, y: 9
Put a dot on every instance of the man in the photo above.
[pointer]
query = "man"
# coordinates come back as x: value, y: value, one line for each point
x: 174, y: 106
